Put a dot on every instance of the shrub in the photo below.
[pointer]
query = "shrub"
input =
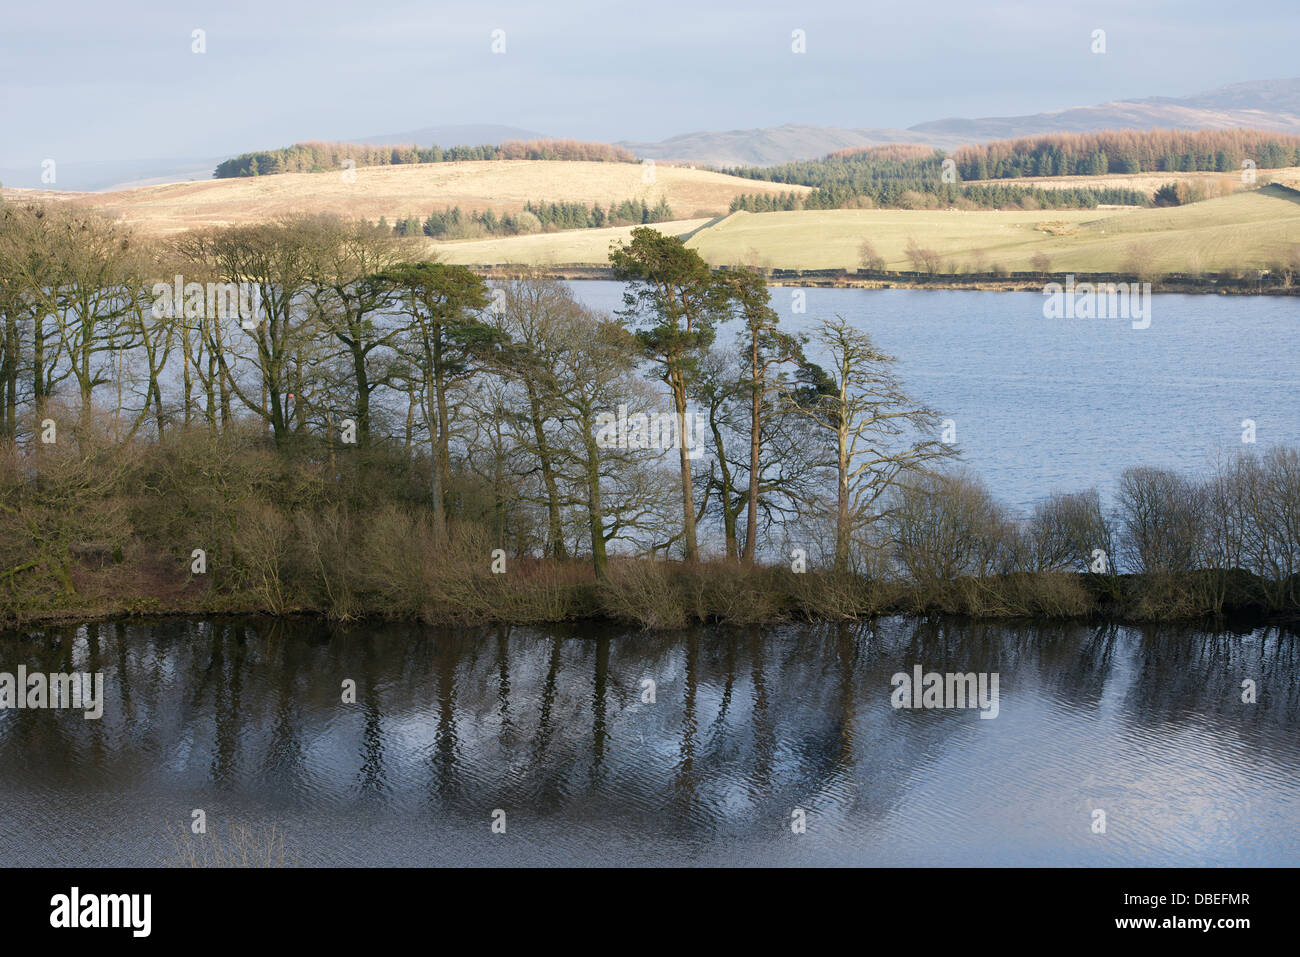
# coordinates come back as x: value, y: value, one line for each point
x: 1065, y: 530
x: 947, y: 527
x: 1164, y: 521
x: 869, y: 258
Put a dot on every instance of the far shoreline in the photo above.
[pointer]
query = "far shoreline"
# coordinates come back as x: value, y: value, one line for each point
x: 1206, y: 284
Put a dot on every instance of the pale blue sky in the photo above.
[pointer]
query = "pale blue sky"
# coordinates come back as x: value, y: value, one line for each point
x: 86, y: 80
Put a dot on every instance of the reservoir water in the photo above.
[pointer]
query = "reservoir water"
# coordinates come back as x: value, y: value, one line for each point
x: 747, y: 732
x: 1043, y: 405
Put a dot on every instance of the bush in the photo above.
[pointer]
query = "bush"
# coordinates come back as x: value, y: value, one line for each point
x: 1164, y: 521
x: 948, y: 527
x: 641, y: 592
x: 869, y: 259
x: 1064, y: 532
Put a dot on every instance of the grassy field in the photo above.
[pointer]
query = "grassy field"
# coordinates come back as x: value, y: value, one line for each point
x: 1219, y: 183
x: 398, y: 191
x: 1243, y: 230
x: 586, y: 246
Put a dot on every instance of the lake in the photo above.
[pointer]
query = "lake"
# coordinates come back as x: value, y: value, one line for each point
x: 1043, y: 405
x: 749, y: 734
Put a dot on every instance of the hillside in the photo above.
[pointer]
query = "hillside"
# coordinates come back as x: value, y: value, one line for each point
x: 1146, y: 183
x: 395, y: 191
x: 585, y: 246
x: 1247, y: 229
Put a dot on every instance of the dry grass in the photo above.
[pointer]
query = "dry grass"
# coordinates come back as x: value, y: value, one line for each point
x: 234, y: 845
x: 1245, y: 230
x: 546, y: 249
x: 1142, y: 182
x: 1251, y: 229
x: 399, y: 191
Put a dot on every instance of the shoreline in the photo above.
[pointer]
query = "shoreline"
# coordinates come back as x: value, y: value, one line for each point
x: 1208, y: 284
x: 726, y: 595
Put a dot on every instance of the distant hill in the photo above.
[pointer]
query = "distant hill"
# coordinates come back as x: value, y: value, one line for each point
x: 1246, y: 230
x: 1263, y: 104
x: 1266, y: 104
x: 395, y: 192
x: 780, y: 144
x: 1269, y: 96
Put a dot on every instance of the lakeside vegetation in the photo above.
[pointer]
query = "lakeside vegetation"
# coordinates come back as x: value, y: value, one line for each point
x: 392, y: 438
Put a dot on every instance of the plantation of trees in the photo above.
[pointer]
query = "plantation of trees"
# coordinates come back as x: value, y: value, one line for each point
x: 314, y: 157
x: 452, y: 223
x: 908, y: 177
x: 1128, y: 151
x: 926, y: 195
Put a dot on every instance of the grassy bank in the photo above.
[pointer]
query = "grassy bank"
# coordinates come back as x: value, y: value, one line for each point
x: 97, y: 529
x: 647, y: 593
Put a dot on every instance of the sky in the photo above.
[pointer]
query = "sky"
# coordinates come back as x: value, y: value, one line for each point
x: 88, y: 80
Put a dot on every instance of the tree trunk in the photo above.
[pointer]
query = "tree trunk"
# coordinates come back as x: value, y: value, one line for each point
x: 595, y: 513
x: 725, y: 493
x: 843, y: 528
x: 555, y: 533
x: 363, y: 395
x: 444, y: 428
x: 688, y: 497
x: 755, y: 425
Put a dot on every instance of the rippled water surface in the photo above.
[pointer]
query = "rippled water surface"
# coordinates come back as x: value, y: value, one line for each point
x: 245, y: 720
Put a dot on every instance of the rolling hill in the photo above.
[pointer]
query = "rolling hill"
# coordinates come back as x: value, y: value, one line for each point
x: 1244, y: 230
x: 397, y: 191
